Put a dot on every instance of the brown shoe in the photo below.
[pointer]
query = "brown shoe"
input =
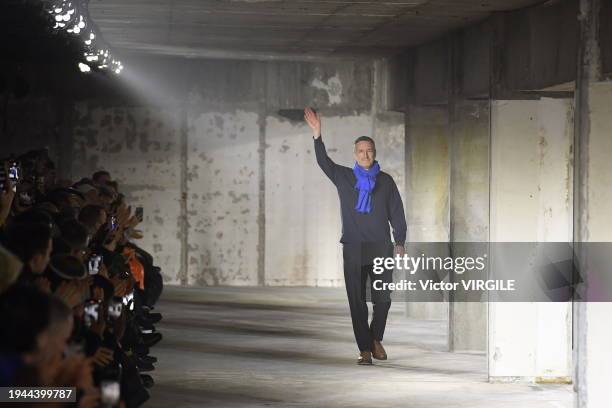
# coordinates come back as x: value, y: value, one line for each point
x: 378, y: 351
x: 365, y: 358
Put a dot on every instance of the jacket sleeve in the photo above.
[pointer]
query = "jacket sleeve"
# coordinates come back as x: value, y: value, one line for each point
x: 325, y: 163
x: 396, y: 215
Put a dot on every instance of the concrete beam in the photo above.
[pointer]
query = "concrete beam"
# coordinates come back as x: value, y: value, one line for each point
x: 533, y: 49
x: 432, y: 72
x: 421, y: 75
x: 472, y: 56
x: 514, y: 53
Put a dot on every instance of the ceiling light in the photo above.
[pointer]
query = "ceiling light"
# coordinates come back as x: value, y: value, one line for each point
x: 84, y: 67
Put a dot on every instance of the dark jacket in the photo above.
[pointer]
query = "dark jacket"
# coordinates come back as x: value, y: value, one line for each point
x: 387, y: 204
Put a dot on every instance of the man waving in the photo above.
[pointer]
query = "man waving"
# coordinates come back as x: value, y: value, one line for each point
x: 369, y: 202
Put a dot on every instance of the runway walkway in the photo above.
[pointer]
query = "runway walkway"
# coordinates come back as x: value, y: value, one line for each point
x: 294, y: 347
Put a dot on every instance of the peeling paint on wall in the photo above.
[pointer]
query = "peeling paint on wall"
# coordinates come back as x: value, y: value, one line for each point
x: 223, y: 164
x: 139, y: 147
x: 333, y: 88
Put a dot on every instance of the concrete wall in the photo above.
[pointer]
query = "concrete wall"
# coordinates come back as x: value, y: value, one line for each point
x: 223, y: 198
x: 531, y: 200
x: 207, y: 145
x: 140, y: 146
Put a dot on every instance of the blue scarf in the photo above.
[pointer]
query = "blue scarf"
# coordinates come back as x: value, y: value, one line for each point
x: 366, y: 180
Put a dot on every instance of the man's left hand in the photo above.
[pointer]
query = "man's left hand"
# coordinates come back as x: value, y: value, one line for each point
x: 399, y: 250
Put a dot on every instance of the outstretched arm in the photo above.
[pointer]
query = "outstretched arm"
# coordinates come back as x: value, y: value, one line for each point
x: 327, y: 165
x: 314, y: 121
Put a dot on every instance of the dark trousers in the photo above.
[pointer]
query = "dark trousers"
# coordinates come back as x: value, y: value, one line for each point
x: 358, y: 265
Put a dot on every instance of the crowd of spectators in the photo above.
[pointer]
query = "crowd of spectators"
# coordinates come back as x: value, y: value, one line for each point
x: 76, y: 292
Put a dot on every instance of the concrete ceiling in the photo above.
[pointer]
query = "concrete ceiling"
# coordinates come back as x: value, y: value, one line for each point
x: 285, y: 29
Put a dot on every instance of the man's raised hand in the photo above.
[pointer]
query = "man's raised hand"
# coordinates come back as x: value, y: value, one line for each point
x: 314, y: 121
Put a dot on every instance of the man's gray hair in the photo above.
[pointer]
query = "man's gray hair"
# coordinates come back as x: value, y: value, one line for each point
x: 365, y: 139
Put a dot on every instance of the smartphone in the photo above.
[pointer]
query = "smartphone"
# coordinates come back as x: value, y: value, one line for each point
x: 128, y: 301
x: 14, y: 172
x: 113, y: 223
x: 110, y: 393
x: 93, y: 265
x: 139, y: 213
x: 115, y: 307
x: 92, y: 312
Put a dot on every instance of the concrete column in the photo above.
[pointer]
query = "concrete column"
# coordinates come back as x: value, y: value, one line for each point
x: 469, y: 211
x: 530, y: 202
x: 427, y: 172
x: 593, y: 332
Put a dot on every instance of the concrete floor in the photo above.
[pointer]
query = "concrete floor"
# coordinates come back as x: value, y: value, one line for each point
x: 294, y: 347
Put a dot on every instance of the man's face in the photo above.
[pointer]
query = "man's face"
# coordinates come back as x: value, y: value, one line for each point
x: 364, y: 154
